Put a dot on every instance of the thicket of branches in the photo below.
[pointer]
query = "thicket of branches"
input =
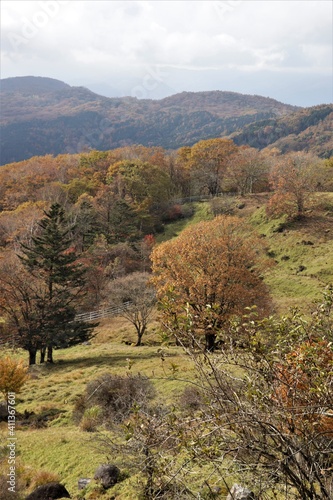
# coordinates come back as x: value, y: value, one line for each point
x: 260, y: 415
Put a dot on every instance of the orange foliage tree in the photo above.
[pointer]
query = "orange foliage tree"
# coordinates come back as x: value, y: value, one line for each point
x: 182, y: 172
x: 294, y: 178
x: 210, y: 273
x: 209, y: 160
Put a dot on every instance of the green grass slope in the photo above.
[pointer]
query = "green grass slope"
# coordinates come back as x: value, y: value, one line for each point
x: 301, y: 251
x: 50, y: 442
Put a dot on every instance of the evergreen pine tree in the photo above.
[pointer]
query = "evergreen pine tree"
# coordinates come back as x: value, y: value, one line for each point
x: 51, y: 258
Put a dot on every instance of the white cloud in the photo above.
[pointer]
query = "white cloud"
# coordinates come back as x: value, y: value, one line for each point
x: 89, y: 42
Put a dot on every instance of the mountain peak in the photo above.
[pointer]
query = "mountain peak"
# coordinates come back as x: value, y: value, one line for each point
x: 32, y: 84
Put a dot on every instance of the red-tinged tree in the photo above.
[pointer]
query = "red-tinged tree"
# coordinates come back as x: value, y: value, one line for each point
x: 294, y: 178
x: 208, y: 274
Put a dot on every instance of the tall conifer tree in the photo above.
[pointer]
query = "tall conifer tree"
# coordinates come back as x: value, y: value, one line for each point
x: 52, y: 260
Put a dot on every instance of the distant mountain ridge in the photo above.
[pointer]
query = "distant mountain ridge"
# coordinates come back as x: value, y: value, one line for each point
x: 308, y: 128
x: 46, y: 116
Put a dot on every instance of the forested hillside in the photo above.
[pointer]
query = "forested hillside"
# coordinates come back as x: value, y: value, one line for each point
x: 309, y: 129
x: 44, y: 116
x: 119, y: 201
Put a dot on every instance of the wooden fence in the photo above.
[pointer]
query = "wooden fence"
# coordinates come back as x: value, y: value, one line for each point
x: 11, y: 340
x: 102, y: 313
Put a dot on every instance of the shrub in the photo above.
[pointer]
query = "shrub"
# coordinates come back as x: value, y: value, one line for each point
x: 177, y: 211
x: 187, y: 210
x: 13, y: 375
x: 281, y: 204
x: 173, y: 213
x: 115, y: 396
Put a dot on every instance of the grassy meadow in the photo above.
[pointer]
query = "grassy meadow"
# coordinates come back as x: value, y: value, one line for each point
x: 59, y: 446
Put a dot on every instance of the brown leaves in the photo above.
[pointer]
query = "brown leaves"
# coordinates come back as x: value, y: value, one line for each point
x: 215, y: 268
x: 208, y: 161
x: 294, y: 178
x: 305, y: 385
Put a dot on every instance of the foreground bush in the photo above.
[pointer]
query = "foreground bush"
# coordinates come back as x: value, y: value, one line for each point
x: 267, y: 412
x: 115, y: 396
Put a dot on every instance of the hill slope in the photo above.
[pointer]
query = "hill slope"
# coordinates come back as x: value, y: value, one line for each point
x: 32, y: 84
x: 41, y: 116
x: 309, y: 129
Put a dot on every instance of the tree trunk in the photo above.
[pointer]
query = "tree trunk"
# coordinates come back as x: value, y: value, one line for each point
x: 300, y: 207
x: 32, y: 356
x: 210, y: 341
x: 42, y: 354
x: 149, y: 470
x: 50, y: 354
x: 140, y: 331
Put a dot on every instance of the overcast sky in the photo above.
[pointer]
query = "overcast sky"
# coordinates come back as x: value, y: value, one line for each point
x: 151, y: 49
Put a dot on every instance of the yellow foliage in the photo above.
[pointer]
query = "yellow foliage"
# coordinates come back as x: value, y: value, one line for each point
x: 13, y: 375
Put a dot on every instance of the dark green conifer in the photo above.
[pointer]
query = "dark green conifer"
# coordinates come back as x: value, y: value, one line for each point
x: 51, y: 258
